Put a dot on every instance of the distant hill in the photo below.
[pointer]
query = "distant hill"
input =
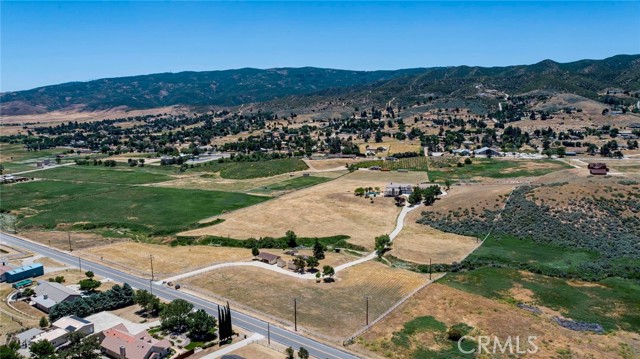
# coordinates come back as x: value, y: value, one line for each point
x: 243, y: 86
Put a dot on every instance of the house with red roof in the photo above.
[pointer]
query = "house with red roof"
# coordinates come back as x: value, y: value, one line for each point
x: 117, y: 342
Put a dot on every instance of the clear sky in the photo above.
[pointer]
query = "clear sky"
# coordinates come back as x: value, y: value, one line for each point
x: 55, y: 42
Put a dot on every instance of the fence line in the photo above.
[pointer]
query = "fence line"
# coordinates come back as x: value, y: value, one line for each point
x: 387, y: 312
x: 272, y: 319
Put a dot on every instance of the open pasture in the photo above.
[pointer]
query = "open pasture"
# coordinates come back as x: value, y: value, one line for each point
x: 327, y: 209
x: 334, y: 309
x: 420, y: 243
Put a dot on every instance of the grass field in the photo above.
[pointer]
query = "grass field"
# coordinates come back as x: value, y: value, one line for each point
x: 420, y: 243
x: 512, y: 251
x: 102, y: 174
x: 496, y: 168
x: 296, y: 183
x: 246, y: 170
x: 47, y: 204
x: 333, y: 309
x: 166, y: 260
x: 611, y: 302
x: 439, y: 303
x: 324, y: 210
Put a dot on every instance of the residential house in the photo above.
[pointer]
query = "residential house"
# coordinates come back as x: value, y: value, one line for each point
x: 49, y: 294
x: 268, y: 258
x: 56, y: 337
x: 26, y: 338
x: 74, y: 324
x: 598, y: 169
x: 486, y: 151
x: 396, y: 189
x: 117, y: 342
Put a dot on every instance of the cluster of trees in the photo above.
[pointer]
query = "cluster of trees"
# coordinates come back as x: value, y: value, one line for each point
x: 97, y: 162
x: 89, y: 284
x: 179, y: 317
x: 114, y: 298
x: 302, y: 353
x: 427, y: 195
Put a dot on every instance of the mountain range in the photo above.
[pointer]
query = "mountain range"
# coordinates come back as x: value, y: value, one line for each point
x: 248, y: 85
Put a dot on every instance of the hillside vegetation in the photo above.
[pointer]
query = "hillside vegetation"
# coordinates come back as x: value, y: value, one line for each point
x: 304, y: 85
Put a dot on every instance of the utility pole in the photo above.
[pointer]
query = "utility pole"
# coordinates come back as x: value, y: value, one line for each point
x: 429, y: 268
x: 295, y: 314
x: 80, y: 263
x: 367, y: 317
x: 151, y: 286
x: 268, y: 333
x: 151, y: 259
x: 69, y: 236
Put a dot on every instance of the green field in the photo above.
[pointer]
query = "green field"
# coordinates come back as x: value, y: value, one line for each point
x: 248, y: 170
x: 146, y: 210
x: 293, y: 183
x: 493, y: 168
x: 612, y: 302
x: 109, y: 175
x: 511, y: 251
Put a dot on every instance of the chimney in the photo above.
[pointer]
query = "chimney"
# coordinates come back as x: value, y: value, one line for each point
x: 46, y: 296
x: 123, y: 352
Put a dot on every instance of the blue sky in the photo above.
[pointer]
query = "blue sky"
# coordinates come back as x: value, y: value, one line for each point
x: 55, y: 42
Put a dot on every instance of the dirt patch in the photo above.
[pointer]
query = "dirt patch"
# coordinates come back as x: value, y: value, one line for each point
x: 489, y: 317
x: 418, y: 243
x: 60, y: 240
x: 473, y: 197
x: 167, y: 260
x: 133, y: 313
x: 333, y: 309
x: 324, y: 210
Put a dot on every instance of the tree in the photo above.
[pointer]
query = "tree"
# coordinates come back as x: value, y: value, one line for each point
x: 447, y: 184
x: 359, y: 191
x: 328, y: 271
x: 300, y: 263
x: 430, y: 194
x: 90, y: 274
x: 312, y: 262
x: 89, y: 285
x: 468, y: 161
x: 291, y: 239
x: 382, y: 244
x: 10, y: 351
x: 318, y: 250
x: 1, y: 169
x: 303, y: 353
x: 81, y: 347
x: 415, y: 197
x: 42, y: 349
x: 561, y: 151
x: 44, y: 322
x: 201, y: 324
x: 175, y: 316
x: 255, y: 251
x: 289, y: 353
x: 149, y: 302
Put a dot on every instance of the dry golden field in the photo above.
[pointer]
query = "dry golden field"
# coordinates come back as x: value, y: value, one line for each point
x: 166, y: 260
x: 488, y: 317
x: 327, y: 209
x: 334, y: 309
x: 60, y: 240
x: 418, y: 243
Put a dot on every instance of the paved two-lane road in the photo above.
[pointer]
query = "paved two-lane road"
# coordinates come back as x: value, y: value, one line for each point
x: 244, y: 321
